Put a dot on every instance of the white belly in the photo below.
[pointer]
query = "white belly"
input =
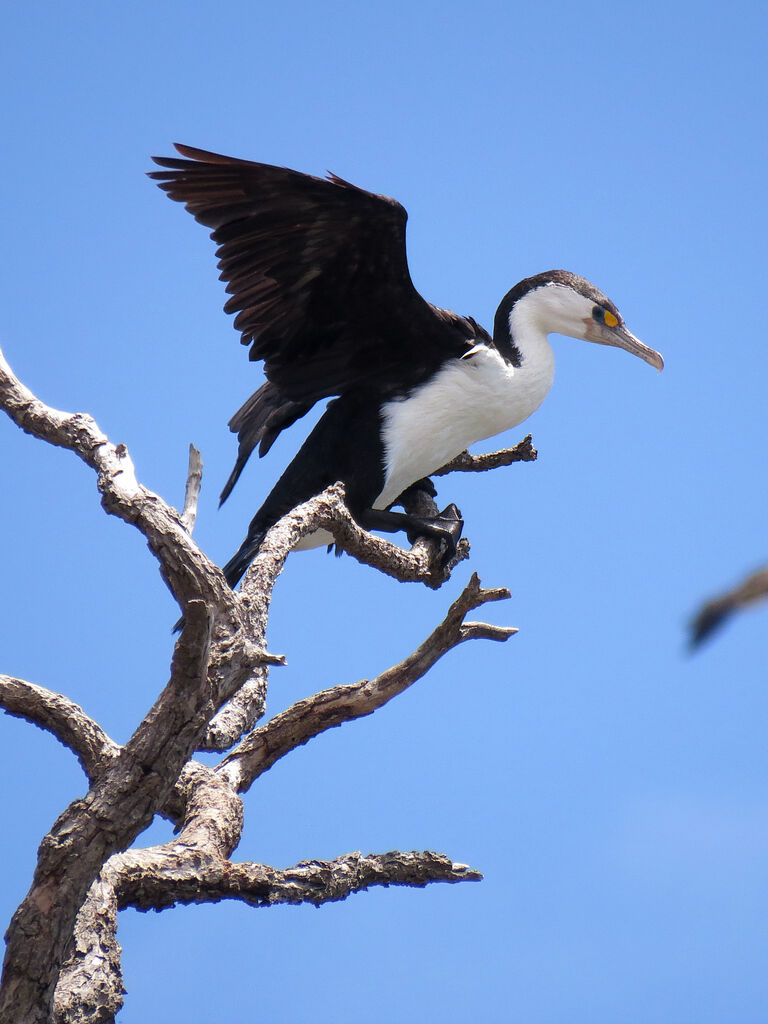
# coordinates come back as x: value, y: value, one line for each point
x: 470, y: 399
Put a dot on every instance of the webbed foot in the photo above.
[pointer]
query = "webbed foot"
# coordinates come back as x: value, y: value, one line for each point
x: 447, y: 526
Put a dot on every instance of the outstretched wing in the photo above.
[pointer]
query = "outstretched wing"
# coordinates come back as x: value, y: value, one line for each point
x: 318, y: 276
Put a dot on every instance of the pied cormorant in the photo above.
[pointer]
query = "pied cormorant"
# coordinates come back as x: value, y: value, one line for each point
x: 319, y: 280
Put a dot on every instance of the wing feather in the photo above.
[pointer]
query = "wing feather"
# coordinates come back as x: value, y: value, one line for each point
x: 317, y: 278
x: 317, y: 275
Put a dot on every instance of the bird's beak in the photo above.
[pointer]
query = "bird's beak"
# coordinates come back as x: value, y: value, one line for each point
x: 620, y: 337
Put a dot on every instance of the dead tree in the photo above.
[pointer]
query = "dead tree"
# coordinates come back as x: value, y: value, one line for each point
x: 62, y: 961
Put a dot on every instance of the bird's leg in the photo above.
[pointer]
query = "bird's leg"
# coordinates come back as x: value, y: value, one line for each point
x: 446, y: 526
x: 417, y: 494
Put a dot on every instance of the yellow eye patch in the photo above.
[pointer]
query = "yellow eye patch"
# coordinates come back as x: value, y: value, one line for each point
x: 610, y: 320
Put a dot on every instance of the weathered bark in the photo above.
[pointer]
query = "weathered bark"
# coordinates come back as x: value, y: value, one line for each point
x: 62, y: 717
x: 62, y: 938
x: 330, y: 708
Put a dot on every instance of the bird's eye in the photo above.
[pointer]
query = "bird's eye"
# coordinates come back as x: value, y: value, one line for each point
x: 604, y: 316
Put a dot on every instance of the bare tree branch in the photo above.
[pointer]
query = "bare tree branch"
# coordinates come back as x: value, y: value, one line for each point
x: 192, y: 491
x: 314, y: 881
x: 325, y: 511
x: 239, y: 714
x: 63, y: 718
x: 717, y: 610
x: 328, y: 511
x: 62, y: 938
x: 186, y: 570
x: 523, y: 451
x: 330, y: 708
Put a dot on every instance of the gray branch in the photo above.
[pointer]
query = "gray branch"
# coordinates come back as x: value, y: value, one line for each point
x: 523, y: 451
x: 325, y: 511
x: 63, y: 718
x: 330, y: 708
x: 146, y: 887
x: 192, y: 490
x: 63, y: 938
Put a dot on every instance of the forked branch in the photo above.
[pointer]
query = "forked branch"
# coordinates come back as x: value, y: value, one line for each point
x: 330, y: 708
x: 65, y: 929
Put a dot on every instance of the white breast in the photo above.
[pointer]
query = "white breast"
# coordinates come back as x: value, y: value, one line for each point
x: 468, y: 400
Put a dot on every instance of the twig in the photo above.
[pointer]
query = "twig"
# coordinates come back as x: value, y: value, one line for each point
x: 523, y: 451
x: 192, y: 490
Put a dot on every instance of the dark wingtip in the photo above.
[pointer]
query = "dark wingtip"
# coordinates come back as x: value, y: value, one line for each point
x: 192, y: 155
x: 234, y: 476
x: 206, y: 155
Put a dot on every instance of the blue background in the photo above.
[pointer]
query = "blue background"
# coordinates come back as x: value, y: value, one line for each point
x: 611, y: 788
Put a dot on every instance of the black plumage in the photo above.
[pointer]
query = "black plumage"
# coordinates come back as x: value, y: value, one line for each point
x: 318, y: 277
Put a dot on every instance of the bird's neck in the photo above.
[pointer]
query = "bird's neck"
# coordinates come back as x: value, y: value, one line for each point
x: 530, y: 351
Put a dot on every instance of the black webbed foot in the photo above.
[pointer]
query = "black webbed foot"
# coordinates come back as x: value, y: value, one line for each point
x: 446, y: 526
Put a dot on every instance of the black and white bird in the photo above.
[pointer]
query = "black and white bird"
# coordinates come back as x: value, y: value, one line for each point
x: 318, y: 276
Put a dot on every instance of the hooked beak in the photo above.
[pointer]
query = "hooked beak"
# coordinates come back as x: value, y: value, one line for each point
x: 620, y: 337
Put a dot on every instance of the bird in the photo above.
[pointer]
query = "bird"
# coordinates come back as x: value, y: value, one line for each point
x: 317, y: 274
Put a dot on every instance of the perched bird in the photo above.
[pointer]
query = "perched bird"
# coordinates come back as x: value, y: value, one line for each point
x: 318, y: 276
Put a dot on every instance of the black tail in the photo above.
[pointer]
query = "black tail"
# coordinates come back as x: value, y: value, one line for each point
x: 239, y: 562
x: 258, y: 422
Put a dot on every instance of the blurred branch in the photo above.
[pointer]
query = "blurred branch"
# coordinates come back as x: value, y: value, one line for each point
x: 712, y: 615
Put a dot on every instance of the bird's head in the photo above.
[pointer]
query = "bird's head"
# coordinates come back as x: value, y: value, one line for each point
x: 558, y: 302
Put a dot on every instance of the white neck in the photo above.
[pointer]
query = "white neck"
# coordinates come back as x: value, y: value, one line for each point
x: 528, y: 330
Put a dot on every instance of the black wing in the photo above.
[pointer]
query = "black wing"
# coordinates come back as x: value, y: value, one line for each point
x: 318, y: 275
x: 319, y: 279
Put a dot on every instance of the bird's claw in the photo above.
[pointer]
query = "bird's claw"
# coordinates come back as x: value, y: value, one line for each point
x: 447, y: 526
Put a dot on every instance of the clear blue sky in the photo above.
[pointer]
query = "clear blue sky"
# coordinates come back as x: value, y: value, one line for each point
x: 613, y: 790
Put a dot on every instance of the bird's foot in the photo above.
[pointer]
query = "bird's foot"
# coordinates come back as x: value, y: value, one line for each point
x: 447, y: 526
